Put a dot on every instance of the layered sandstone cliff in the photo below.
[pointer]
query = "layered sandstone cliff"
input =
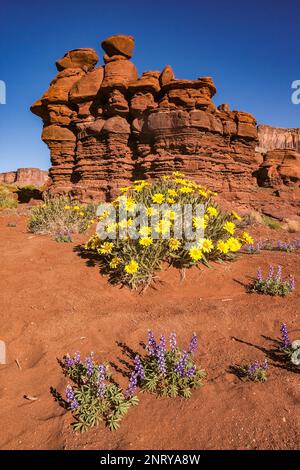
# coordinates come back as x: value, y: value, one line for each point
x: 106, y: 125
x: 273, y: 138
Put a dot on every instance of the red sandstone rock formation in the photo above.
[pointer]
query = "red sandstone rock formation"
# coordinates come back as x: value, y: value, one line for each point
x: 25, y: 177
x: 106, y: 125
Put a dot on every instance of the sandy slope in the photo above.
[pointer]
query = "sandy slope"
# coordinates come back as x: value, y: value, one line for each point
x: 53, y: 301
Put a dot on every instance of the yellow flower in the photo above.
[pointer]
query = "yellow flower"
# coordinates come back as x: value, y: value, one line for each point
x: 110, y: 227
x: 166, y: 177
x: 203, y: 193
x: 151, y: 211
x: 103, y: 216
x: 114, y: 263
x: 212, y: 211
x: 81, y: 214
x: 123, y: 223
x: 233, y: 244
x: 206, y: 245
x: 139, y: 187
x: 170, y: 214
x: 158, y: 198
x: 76, y: 208
x: 229, y: 227
x: 131, y: 267
x: 170, y: 200
x: 93, y: 243
x: 186, y: 190
x: 222, y: 247
x: 180, y: 181
x: 199, y: 222
x: 92, y: 222
x: 145, y: 231
x: 125, y: 189
x: 67, y: 208
x: 172, y: 192
x: 130, y: 204
x: 146, y: 241
x: 235, y: 215
x: 177, y: 173
x: 195, y: 253
x: 174, y: 244
x: 106, y: 248
x: 246, y: 238
x: 163, y: 226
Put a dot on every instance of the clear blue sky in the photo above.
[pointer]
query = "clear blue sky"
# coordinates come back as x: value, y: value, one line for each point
x: 251, y: 49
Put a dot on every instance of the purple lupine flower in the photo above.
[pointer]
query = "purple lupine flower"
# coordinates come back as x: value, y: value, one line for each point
x: 191, y: 372
x: 173, y: 341
x: 138, y: 368
x: 101, y: 387
x: 279, y: 274
x: 76, y: 358
x: 181, y: 364
x: 71, y: 397
x: 259, y: 275
x: 253, y: 367
x: 292, y: 282
x: 264, y: 365
x: 89, y: 365
x: 151, y: 347
x: 193, y: 344
x: 160, y: 355
x: 271, y: 273
x: 285, y: 336
x: 68, y: 361
x: 131, y: 386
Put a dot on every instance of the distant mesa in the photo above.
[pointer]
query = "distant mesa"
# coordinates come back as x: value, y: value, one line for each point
x: 25, y: 177
x: 105, y: 125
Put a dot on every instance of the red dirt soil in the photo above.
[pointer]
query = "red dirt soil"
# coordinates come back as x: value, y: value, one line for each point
x: 53, y: 302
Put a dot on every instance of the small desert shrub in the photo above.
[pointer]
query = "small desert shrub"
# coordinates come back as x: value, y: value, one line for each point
x: 8, y: 199
x: 254, y: 372
x: 166, y: 372
x: 291, y: 349
x: 94, y: 396
x: 63, y: 236
x: 272, y: 284
x: 271, y: 223
x: 59, y: 214
x: 270, y: 245
x: 133, y: 261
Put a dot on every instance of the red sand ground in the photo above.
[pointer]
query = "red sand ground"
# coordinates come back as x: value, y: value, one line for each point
x: 53, y: 303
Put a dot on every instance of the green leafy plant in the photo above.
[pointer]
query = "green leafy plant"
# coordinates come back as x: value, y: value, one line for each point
x: 94, y: 397
x: 270, y: 222
x: 253, y: 372
x: 60, y: 214
x: 272, y: 284
x: 63, y: 236
x: 166, y: 372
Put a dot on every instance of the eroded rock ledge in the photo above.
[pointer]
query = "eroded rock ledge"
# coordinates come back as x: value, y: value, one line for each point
x: 106, y: 125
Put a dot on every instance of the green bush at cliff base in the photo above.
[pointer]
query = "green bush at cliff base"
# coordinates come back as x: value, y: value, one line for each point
x: 8, y: 199
x: 59, y: 214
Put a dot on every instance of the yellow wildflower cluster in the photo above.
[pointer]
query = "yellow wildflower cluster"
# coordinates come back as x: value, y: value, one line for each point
x: 133, y: 260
